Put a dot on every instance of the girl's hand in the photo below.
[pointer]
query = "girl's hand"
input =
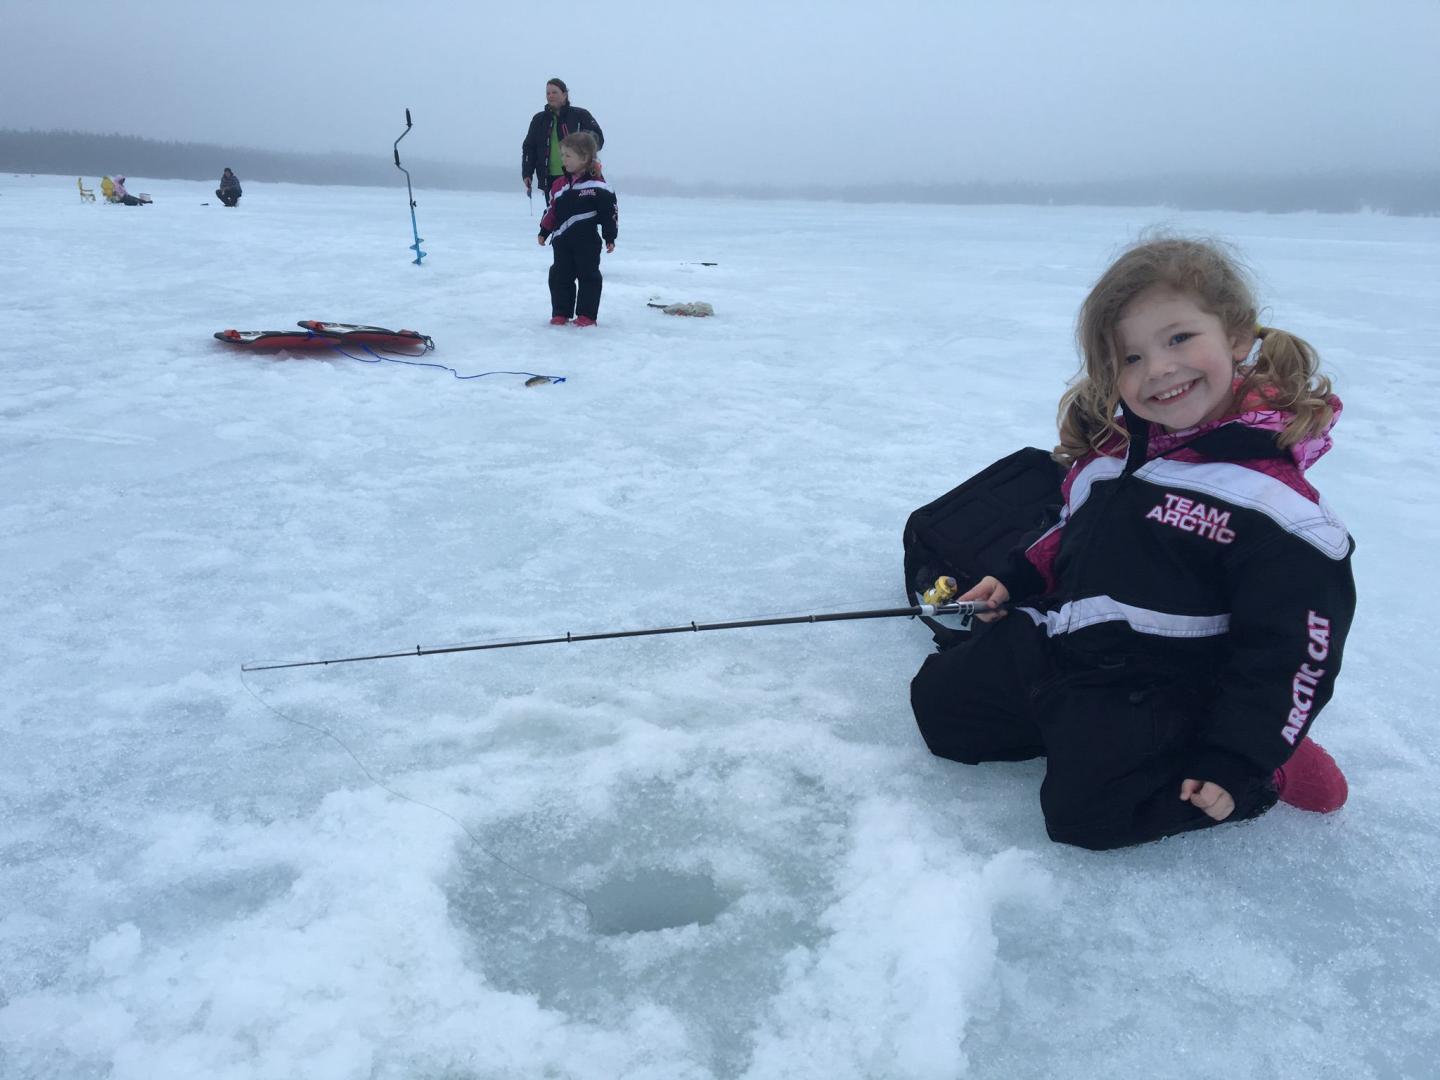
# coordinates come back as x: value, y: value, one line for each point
x: 1210, y: 797
x: 609, y: 247
x: 991, y: 590
x: 540, y: 240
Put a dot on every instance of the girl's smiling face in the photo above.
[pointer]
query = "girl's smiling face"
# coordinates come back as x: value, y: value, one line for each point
x: 1176, y: 361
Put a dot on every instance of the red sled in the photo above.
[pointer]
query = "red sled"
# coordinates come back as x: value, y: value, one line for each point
x: 275, y: 340
x: 369, y: 335
x: 326, y: 335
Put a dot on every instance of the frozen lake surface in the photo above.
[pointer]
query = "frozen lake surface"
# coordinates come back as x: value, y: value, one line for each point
x: 675, y: 858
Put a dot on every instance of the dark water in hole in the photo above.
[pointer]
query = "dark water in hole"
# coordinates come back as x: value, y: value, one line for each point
x: 653, y: 900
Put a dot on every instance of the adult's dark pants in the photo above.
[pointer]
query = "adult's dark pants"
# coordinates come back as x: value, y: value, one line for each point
x: 1115, y: 733
x: 576, y: 263
x: 229, y: 198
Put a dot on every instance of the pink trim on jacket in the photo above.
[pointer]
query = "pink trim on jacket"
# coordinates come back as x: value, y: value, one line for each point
x: 1043, y: 552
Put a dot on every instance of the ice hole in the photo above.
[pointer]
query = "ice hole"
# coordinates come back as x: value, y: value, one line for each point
x: 653, y: 899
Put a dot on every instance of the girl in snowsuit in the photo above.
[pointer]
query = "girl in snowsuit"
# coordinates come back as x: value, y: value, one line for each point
x: 579, y: 201
x: 1171, y: 638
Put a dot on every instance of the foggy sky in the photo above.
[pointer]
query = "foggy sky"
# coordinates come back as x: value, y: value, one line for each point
x: 785, y: 93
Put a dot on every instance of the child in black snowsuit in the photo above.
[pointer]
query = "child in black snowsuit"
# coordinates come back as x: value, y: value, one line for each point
x: 1174, y: 634
x: 579, y: 201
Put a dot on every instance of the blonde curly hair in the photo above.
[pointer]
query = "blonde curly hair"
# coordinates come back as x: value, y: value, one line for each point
x: 584, y: 144
x: 1284, y: 376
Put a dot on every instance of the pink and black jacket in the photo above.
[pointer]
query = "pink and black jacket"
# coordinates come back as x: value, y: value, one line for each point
x: 1204, y: 554
x: 577, y: 205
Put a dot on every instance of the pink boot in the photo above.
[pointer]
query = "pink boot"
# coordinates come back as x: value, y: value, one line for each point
x: 1311, y: 780
x: 558, y: 320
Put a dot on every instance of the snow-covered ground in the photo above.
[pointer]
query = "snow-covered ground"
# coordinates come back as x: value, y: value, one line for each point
x: 715, y: 855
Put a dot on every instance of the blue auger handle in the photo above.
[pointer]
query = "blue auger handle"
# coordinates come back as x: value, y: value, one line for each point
x: 410, y: 191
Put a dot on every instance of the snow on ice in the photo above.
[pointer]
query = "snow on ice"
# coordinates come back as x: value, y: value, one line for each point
x: 698, y: 856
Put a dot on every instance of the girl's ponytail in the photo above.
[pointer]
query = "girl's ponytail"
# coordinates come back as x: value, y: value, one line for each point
x: 1085, y: 421
x: 1286, y: 375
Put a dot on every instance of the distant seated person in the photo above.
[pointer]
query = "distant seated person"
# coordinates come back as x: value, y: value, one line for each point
x: 229, y: 190
x: 121, y: 195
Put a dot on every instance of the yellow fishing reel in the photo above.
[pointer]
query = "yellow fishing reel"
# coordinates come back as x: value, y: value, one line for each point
x: 943, y: 591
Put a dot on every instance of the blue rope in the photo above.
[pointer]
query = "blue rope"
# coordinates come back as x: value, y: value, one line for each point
x: 378, y: 357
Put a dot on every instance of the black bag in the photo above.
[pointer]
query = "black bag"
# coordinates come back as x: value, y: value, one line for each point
x: 973, y: 527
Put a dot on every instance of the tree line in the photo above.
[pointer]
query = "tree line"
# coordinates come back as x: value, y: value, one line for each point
x: 77, y: 153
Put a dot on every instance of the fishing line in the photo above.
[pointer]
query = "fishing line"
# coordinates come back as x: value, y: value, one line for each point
x: 378, y: 357
x: 576, y: 897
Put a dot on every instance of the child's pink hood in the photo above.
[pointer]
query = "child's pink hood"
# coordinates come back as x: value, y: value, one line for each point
x: 1309, y: 449
x: 1305, y: 452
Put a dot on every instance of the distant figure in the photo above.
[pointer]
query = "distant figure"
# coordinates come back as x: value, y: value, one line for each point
x: 540, y: 152
x: 229, y: 191
x: 121, y: 195
x: 580, y: 201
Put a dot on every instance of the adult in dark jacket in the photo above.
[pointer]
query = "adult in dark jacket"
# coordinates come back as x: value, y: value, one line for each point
x: 229, y: 191
x: 540, y: 152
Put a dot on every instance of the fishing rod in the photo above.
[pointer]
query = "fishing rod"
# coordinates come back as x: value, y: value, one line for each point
x: 937, y: 603
x: 415, y: 247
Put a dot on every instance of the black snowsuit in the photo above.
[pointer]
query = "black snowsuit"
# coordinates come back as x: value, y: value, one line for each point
x: 577, y: 205
x: 1187, y: 618
x: 535, y: 150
